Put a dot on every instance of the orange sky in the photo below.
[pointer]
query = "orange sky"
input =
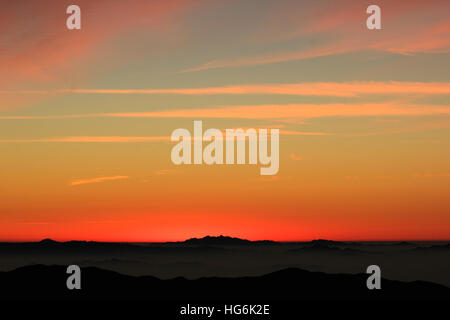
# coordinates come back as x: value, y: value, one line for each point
x: 86, y: 118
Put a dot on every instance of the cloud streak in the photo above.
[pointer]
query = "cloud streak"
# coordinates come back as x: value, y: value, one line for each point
x: 293, y: 111
x: 124, y: 139
x: 96, y: 180
x: 89, y: 139
x: 342, y: 27
x: 275, y: 111
x: 37, y: 49
x: 338, y: 89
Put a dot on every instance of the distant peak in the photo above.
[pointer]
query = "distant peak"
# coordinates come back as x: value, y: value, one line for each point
x: 224, y: 240
x: 48, y: 241
x: 220, y: 238
x: 326, y: 242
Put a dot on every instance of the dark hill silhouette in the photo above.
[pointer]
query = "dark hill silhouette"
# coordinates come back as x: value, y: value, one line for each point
x: 319, y: 247
x: 48, y: 246
x: 435, y: 248
x: 48, y: 242
x: 404, y: 244
x: 207, y: 244
x: 225, y: 240
x: 49, y: 282
x: 327, y: 242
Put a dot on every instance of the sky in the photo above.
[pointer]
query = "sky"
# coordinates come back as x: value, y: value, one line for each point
x: 86, y: 117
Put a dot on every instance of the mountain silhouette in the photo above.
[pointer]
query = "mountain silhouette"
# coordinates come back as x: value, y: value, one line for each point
x: 320, y: 247
x: 404, y: 244
x: 49, y: 282
x: 48, y: 246
x: 225, y: 240
x: 327, y: 242
x: 48, y: 242
x: 435, y: 248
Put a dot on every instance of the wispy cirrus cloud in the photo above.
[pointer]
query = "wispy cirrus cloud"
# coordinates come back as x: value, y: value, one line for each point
x: 338, y: 89
x: 96, y: 180
x: 339, y: 27
x: 89, y: 139
x: 273, y: 111
x: 37, y: 49
x: 42, y: 49
x: 124, y: 139
x: 295, y: 111
x: 274, y: 57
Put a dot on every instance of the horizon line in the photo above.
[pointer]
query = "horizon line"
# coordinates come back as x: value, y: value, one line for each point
x: 279, y: 241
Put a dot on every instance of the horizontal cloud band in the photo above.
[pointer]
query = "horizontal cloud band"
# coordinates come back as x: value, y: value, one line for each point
x: 349, y: 89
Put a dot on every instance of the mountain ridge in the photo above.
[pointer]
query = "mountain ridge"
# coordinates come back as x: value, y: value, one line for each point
x: 43, y: 282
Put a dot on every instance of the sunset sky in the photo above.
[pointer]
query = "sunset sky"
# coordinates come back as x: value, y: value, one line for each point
x: 86, y: 116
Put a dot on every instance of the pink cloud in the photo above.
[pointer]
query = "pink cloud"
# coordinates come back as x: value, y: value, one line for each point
x: 37, y: 49
x: 340, y: 27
